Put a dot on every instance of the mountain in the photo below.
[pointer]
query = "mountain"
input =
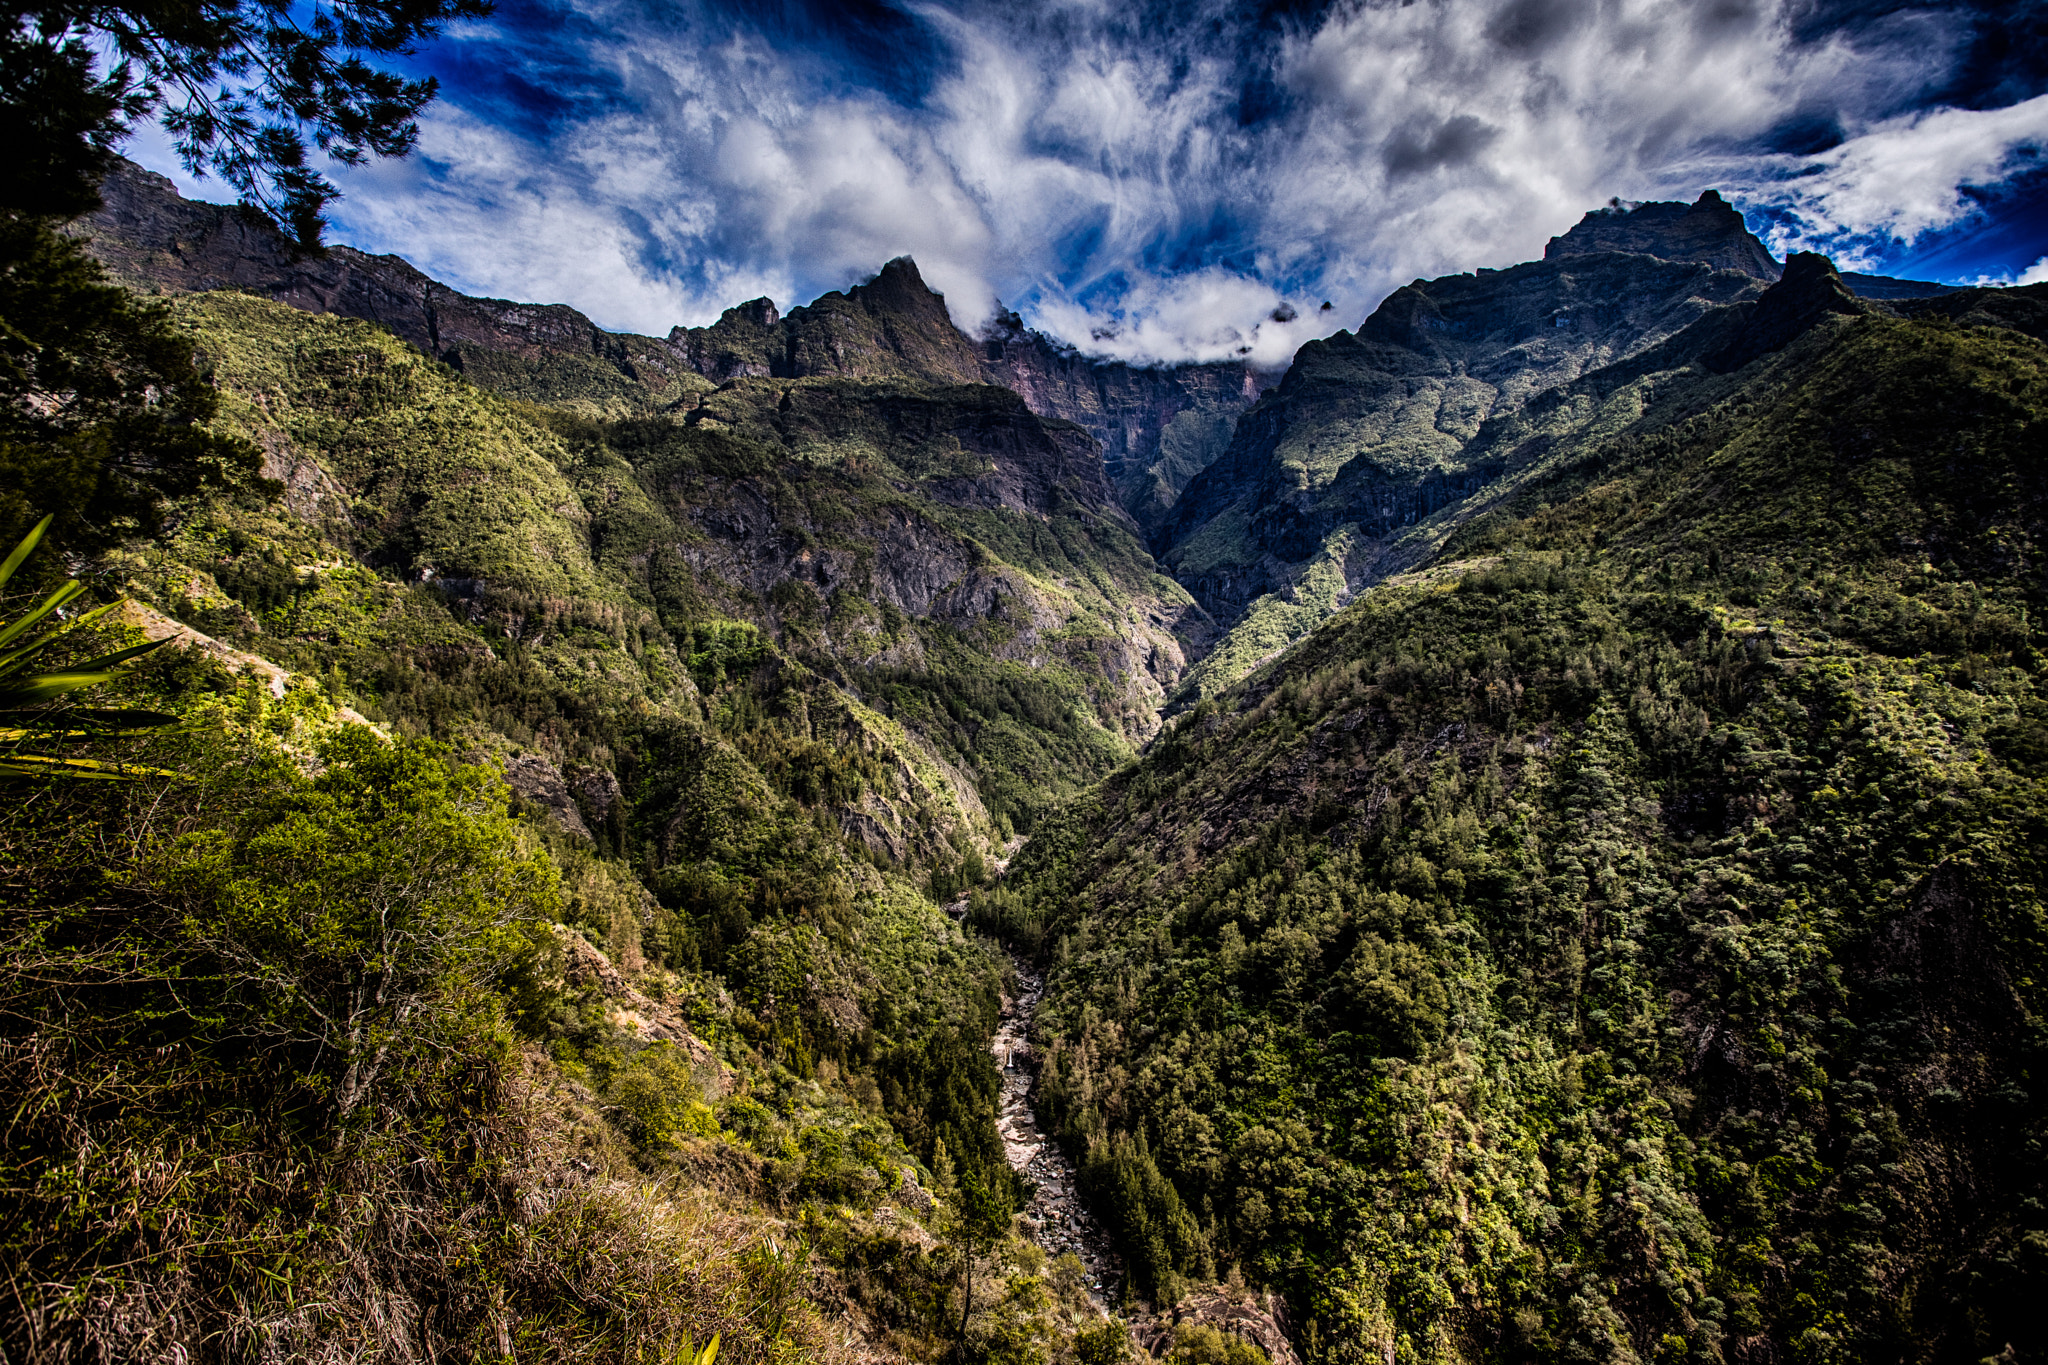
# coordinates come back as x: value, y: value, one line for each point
x: 1617, y: 936
x: 1157, y: 426
x: 1377, y: 442
x: 538, y: 943
x: 1585, y: 908
x: 1708, y: 231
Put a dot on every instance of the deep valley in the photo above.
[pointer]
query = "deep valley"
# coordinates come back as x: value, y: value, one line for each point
x: 1517, y: 838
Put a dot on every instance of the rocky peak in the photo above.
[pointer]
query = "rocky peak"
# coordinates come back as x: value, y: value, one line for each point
x: 1157, y: 426
x: 1709, y: 230
x: 900, y: 288
x: 1810, y: 290
x: 146, y: 234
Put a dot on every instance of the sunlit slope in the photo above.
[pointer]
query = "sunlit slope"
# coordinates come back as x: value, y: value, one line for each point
x: 1622, y: 939
x: 956, y: 560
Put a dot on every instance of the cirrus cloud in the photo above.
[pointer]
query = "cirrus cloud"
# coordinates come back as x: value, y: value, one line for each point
x: 1157, y: 182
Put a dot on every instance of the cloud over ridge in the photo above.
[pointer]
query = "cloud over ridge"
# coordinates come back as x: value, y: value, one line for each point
x: 1154, y: 182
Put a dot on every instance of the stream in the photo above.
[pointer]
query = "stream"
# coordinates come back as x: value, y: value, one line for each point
x: 1056, y: 1218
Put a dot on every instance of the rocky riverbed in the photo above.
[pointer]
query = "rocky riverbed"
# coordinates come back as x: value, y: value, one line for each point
x: 1056, y: 1217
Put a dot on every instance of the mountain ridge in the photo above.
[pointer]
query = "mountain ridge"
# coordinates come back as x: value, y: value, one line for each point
x: 1378, y: 441
x: 891, y: 326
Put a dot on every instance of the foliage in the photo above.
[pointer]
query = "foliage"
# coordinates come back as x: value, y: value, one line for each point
x: 102, y: 403
x: 1624, y: 944
x: 27, y: 714
x: 240, y: 87
x: 1197, y: 1343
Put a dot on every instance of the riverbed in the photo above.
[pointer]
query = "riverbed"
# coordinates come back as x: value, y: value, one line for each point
x: 1055, y: 1218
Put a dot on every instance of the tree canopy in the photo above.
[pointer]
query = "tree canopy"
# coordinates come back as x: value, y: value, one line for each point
x: 247, y: 90
x: 103, y: 406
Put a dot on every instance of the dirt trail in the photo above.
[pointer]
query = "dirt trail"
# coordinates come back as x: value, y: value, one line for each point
x: 1056, y: 1217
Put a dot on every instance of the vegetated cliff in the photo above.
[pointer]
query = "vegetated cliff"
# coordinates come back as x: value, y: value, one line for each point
x: 150, y: 237
x: 1619, y: 937
x: 1157, y: 425
x: 1377, y: 441
x: 337, y: 1046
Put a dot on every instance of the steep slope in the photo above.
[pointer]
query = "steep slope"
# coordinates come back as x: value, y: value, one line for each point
x: 1376, y: 443
x: 1157, y: 426
x: 149, y: 236
x: 1369, y: 432
x: 1620, y: 938
x: 664, y: 1032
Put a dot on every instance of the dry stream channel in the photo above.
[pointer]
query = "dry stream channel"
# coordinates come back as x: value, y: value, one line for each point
x: 1056, y: 1217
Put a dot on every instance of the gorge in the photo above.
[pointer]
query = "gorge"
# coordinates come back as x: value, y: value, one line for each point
x: 1517, y: 838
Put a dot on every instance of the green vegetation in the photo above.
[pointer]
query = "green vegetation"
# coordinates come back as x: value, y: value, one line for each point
x: 352, y: 1044
x: 1617, y: 939
x: 101, y: 400
x: 240, y: 89
x: 33, y: 719
x: 1626, y: 945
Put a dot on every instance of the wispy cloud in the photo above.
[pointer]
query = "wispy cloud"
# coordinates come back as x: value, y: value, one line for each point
x: 1901, y: 179
x: 1157, y: 182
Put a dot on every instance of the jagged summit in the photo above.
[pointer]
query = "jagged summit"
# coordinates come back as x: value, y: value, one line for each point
x: 1810, y: 289
x: 898, y: 285
x: 1708, y: 230
x: 1157, y: 426
x: 761, y: 312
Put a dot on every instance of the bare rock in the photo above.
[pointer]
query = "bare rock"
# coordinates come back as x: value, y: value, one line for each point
x: 597, y: 791
x: 154, y: 625
x: 1709, y: 231
x: 1260, y: 1319
x: 652, y: 1020
x: 541, y: 782
x: 913, y: 1195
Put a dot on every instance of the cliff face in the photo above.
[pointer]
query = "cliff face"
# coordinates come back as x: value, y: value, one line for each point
x: 1157, y: 427
x: 1370, y: 430
x: 842, y: 475
x: 954, y: 505
x: 147, y: 234
x: 1708, y: 231
x: 1376, y: 444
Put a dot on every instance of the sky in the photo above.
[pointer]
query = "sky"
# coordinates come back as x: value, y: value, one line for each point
x: 1166, y: 180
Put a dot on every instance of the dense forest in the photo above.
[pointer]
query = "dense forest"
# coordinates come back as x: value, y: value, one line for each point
x: 1620, y: 939
x: 529, y: 940
x: 513, y: 853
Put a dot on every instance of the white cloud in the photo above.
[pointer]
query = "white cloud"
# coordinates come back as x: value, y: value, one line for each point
x: 1111, y: 176
x: 2037, y: 273
x: 1903, y: 177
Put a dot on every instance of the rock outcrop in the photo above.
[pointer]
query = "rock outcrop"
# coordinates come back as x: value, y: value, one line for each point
x: 1260, y: 1319
x: 541, y: 783
x: 1809, y: 291
x: 585, y: 966
x: 147, y: 234
x: 1369, y: 431
x: 1157, y: 426
x: 1708, y: 231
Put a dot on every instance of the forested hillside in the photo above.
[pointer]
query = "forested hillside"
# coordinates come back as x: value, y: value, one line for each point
x: 1619, y: 938
x: 1576, y: 897
x: 532, y: 940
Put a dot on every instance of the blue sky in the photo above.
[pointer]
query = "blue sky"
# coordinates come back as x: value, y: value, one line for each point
x: 1153, y: 180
